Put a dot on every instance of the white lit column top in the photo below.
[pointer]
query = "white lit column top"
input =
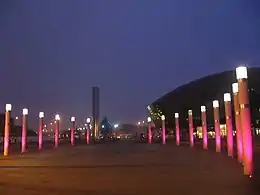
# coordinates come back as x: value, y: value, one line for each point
x: 227, y: 97
x: 241, y: 72
x: 57, y: 117
x: 190, y: 112
x: 149, y: 119
x: 25, y: 111
x: 235, y: 87
x: 176, y: 115
x: 215, y: 104
x: 41, y: 114
x: 8, y: 107
x: 203, y: 108
x: 72, y: 119
x: 163, y: 117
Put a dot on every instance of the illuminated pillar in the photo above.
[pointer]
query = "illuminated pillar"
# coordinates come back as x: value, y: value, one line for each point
x: 204, y: 127
x: 149, y: 120
x: 40, y: 136
x: 191, y: 129
x: 177, y: 128
x: 217, y: 125
x: 24, y: 130
x: 245, y: 116
x: 8, y: 108
x: 229, y: 125
x: 72, y: 131
x: 88, y: 130
x: 57, y: 129
x: 163, y: 130
x: 239, y: 137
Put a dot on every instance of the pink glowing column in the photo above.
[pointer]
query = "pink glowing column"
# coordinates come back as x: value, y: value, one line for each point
x: 40, y: 136
x: 191, y: 129
x: 217, y: 125
x: 204, y: 127
x: 149, y: 120
x: 241, y: 73
x: 72, y: 131
x: 8, y: 108
x: 88, y: 130
x: 228, y: 113
x: 24, y: 130
x: 163, y: 130
x: 57, y: 130
x: 239, y: 137
x: 177, y: 128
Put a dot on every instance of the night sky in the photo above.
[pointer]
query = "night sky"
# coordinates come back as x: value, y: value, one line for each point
x: 53, y: 51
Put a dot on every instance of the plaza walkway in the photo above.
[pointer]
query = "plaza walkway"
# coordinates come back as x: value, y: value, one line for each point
x: 123, y: 168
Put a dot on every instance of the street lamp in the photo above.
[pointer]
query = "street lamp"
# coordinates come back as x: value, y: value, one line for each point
x: 228, y: 113
x: 217, y: 125
x: 40, y: 136
x: 204, y: 127
x: 190, y: 118
x: 177, y: 128
x: 163, y: 130
x: 24, y: 129
x: 72, y: 130
x: 57, y: 129
x: 88, y: 129
x: 239, y: 136
x: 8, y: 108
x: 245, y: 117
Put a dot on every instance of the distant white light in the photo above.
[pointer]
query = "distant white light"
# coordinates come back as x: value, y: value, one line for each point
x: 103, y: 126
x: 227, y: 97
x: 149, y: 119
x: 88, y: 120
x: 116, y: 126
x: 215, y: 104
x: 57, y: 117
x: 190, y: 112
x: 41, y: 114
x: 176, y: 115
x: 203, y: 108
x: 241, y: 72
x: 8, y: 107
x: 235, y: 87
x: 163, y: 117
x: 139, y: 123
x: 73, y: 119
x: 25, y: 111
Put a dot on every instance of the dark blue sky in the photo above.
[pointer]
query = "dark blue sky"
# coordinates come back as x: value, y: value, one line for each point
x: 53, y: 51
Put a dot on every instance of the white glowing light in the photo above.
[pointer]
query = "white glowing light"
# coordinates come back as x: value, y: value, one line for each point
x: 227, y: 97
x: 190, y: 112
x: 88, y: 120
x: 163, y: 117
x: 57, y: 117
x: 116, y: 125
x: 203, y: 108
x: 176, y: 115
x: 25, y: 111
x: 41, y: 114
x: 241, y: 72
x: 139, y: 123
x: 215, y: 104
x: 72, y: 119
x: 8, y: 107
x: 149, y: 119
x: 235, y: 87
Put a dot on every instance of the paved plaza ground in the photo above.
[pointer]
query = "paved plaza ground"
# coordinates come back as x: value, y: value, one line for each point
x: 124, y: 168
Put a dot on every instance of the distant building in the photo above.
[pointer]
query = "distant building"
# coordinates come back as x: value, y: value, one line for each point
x: 202, y: 92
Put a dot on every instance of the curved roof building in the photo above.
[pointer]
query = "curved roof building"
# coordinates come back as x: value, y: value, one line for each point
x: 202, y: 92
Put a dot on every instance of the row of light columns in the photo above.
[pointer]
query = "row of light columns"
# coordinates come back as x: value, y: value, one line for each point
x: 242, y: 123
x: 8, y: 109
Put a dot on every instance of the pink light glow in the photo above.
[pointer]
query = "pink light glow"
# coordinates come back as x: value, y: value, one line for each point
x: 57, y: 129
x: 245, y: 117
x: 163, y: 132
x: 72, y: 133
x: 40, y: 133
x: 7, y: 131
x: 177, y: 128
x: 24, y: 133
x: 191, y: 128
x: 217, y: 128
x: 228, y: 113
x: 149, y: 133
x: 204, y: 128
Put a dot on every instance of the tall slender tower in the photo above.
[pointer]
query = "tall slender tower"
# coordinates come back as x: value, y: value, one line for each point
x: 95, y: 111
